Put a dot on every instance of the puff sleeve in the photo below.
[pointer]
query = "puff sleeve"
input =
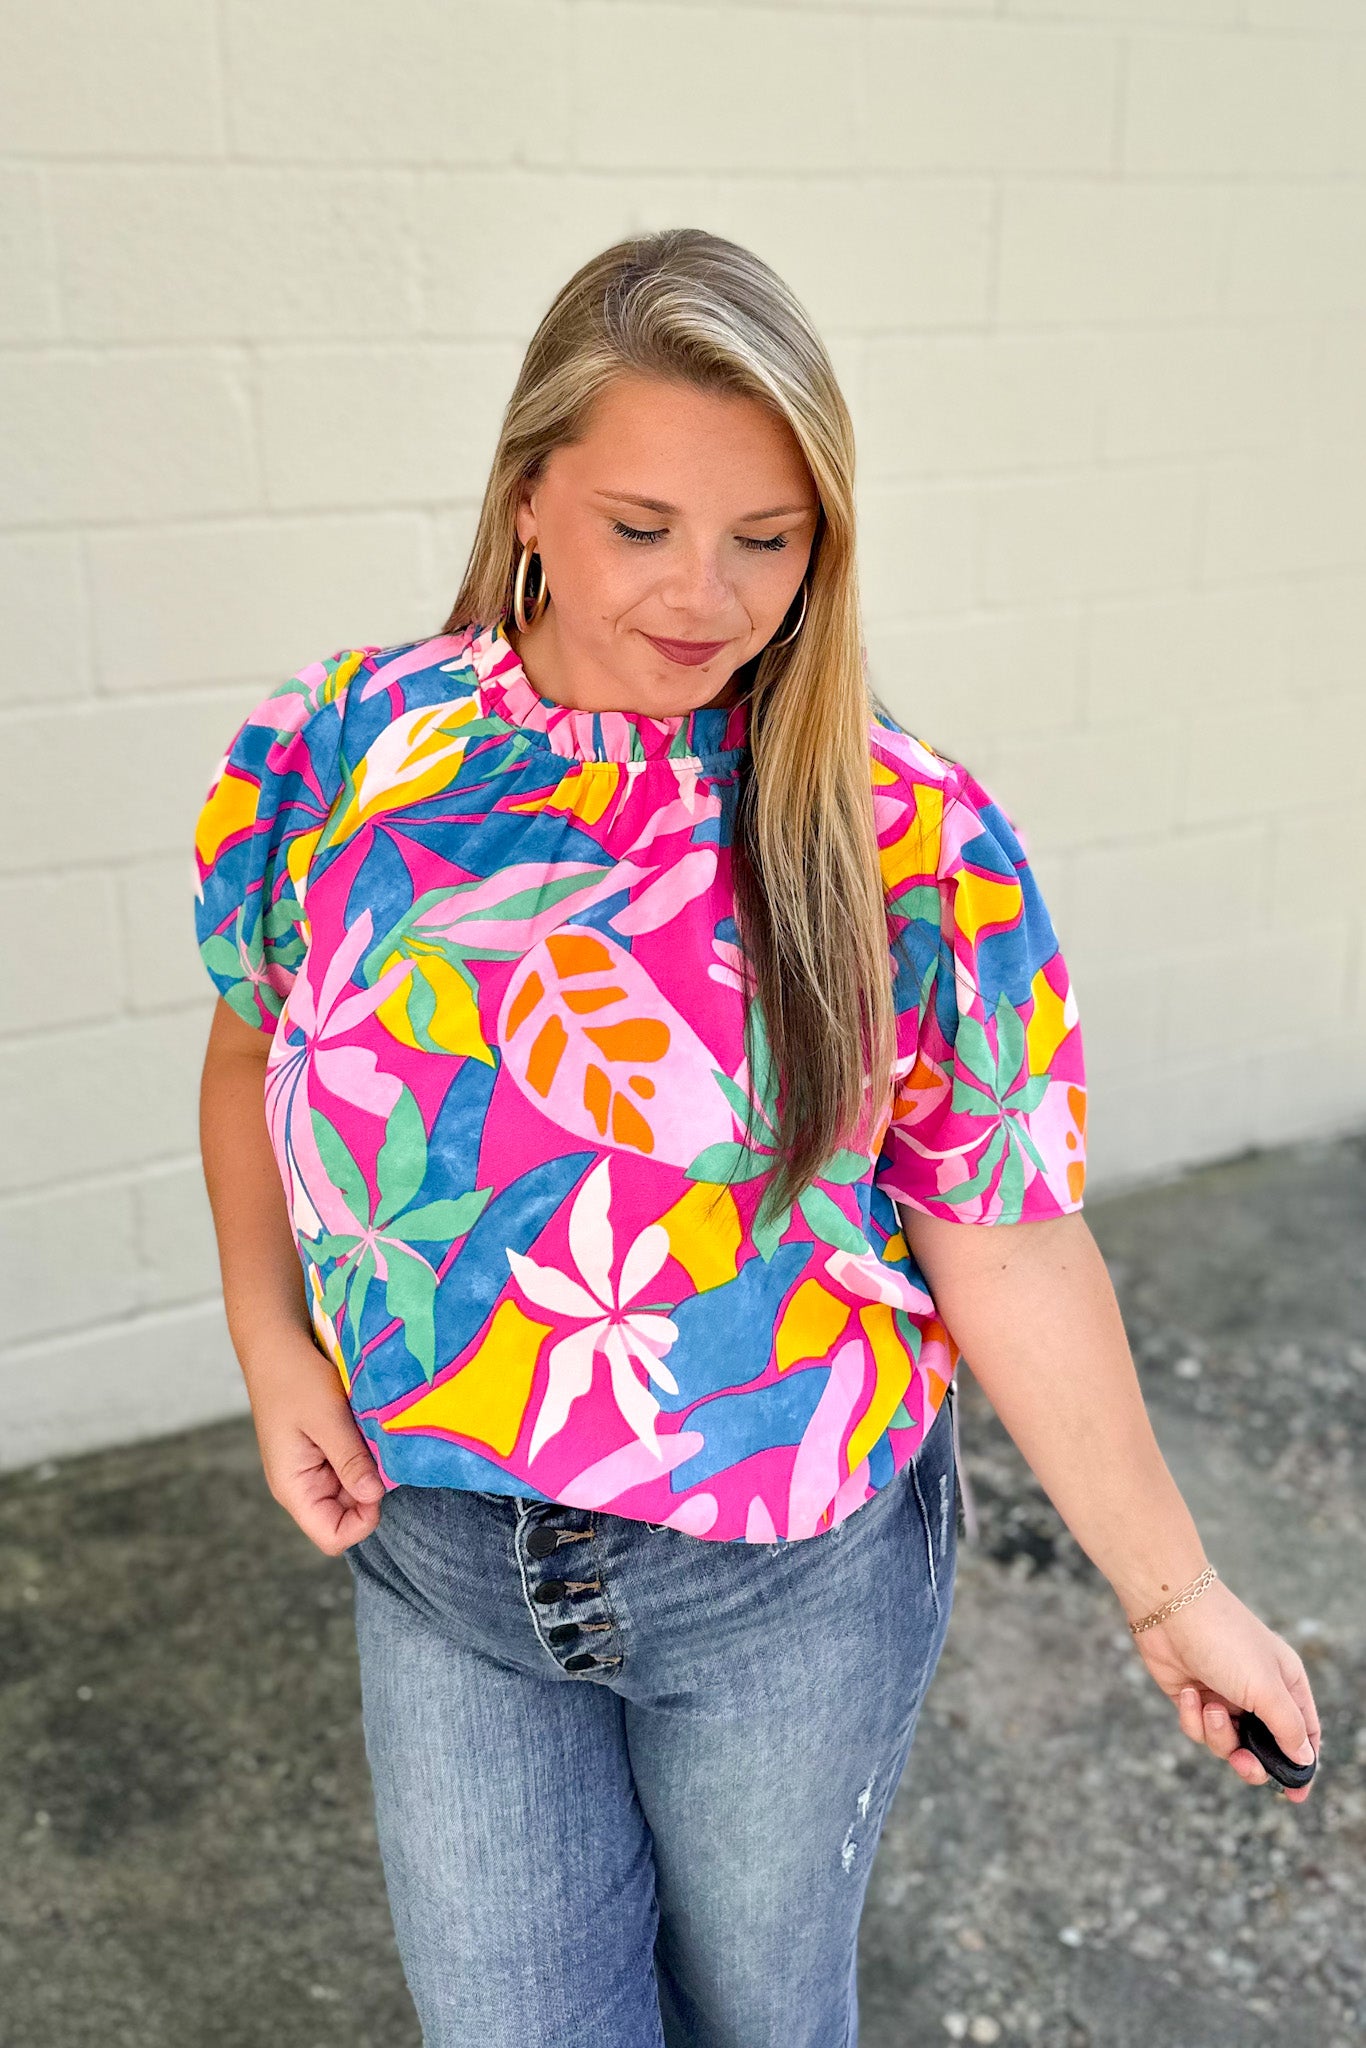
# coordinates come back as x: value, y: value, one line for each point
x: 259, y: 827
x: 988, y: 1118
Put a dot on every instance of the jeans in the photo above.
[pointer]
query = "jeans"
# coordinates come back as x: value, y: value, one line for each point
x: 628, y: 1788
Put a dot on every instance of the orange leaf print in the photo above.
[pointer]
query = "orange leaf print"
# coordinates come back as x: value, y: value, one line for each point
x: 591, y: 1041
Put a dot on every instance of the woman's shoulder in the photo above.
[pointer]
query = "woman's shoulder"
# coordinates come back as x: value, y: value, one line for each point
x: 914, y: 786
x: 903, y: 758
x: 412, y: 675
x: 934, y: 814
x: 344, y: 701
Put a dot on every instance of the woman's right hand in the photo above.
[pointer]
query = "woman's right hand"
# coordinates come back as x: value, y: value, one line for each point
x: 316, y: 1461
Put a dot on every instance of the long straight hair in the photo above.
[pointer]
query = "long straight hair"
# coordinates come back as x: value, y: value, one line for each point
x: 810, y: 905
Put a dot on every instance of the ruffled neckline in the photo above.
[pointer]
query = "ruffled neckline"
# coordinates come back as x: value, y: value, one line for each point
x: 713, y: 736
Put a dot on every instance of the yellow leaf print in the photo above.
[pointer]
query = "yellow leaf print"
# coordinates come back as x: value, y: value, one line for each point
x: 230, y: 810
x: 704, y: 1234
x: 915, y: 850
x: 486, y: 1399
x: 454, y: 1025
x: 810, y: 1324
x: 417, y: 756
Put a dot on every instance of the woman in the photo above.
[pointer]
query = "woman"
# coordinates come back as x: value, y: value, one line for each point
x: 641, y: 1013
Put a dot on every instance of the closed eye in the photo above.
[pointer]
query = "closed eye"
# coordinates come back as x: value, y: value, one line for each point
x: 647, y: 535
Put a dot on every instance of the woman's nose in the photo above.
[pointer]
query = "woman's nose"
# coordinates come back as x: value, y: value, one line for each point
x: 696, y: 582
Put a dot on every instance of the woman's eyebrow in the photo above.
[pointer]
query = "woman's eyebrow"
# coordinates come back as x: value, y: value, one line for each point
x: 658, y: 505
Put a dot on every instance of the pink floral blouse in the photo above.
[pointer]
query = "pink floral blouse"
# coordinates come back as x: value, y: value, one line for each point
x: 492, y: 940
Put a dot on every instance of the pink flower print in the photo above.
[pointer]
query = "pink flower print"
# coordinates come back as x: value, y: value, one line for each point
x: 608, y: 1323
x: 349, y: 1072
x: 870, y: 1278
x: 631, y: 1465
x: 684, y: 812
x: 816, y: 1467
x: 728, y: 965
x: 668, y: 892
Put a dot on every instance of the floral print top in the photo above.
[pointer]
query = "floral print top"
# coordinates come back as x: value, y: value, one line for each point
x: 492, y: 940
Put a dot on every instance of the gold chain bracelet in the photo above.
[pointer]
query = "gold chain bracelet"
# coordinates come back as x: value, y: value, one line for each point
x: 1206, y: 1578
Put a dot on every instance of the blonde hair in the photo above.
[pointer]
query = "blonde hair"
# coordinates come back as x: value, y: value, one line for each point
x: 810, y: 905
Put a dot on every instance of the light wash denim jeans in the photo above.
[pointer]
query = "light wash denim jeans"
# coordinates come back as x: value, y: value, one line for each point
x: 628, y: 1789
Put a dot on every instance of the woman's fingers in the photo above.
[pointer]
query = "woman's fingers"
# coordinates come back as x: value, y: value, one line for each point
x: 1279, y: 1693
x: 1297, y: 1685
x: 1223, y: 1740
x: 331, y: 1485
x: 1210, y: 1721
x: 1188, y: 1713
x: 1222, y: 1737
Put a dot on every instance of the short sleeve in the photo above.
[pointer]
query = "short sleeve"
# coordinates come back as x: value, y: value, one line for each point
x: 257, y: 832
x: 988, y: 1122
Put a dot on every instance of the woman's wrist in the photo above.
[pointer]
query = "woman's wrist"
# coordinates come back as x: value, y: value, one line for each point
x: 1201, y: 1583
x: 1160, y: 1551
x: 1143, y: 1587
x: 264, y: 1346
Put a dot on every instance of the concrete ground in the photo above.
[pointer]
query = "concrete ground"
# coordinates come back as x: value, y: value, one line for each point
x: 187, y: 1852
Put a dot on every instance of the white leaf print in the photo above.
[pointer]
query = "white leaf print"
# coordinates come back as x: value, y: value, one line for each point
x: 549, y: 1288
x: 570, y: 1373
x: 637, y: 1404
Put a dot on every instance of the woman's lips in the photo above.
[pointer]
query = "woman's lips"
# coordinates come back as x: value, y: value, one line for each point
x: 690, y: 653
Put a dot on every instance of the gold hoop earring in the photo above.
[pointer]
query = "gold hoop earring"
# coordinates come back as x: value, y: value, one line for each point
x: 519, y: 589
x: 787, y: 640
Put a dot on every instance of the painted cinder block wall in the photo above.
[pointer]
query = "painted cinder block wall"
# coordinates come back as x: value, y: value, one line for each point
x: 1094, y: 275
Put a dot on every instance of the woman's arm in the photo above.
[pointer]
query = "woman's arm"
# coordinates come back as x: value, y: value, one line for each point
x: 1033, y: 1311
x: 316, y: 1461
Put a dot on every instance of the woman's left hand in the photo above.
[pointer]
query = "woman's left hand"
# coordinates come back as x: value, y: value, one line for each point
x: 1214, y: 1658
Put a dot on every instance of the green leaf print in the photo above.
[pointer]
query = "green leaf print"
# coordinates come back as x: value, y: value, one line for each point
x: 220, y: 955
x: 443, y: 1222
x: 1010, y: 1138
x: 422, y: 1007
x: 241, y: 957
x: 844, y: 1167
x: 829, y: 1221
x: 729, y: 1161
x: 241, y: 997
x: 911, y: 1334
x: 971, y: 1049
x: 921, y: 900
x: 733, y: 1161
x: 766, y: 1232
x: 763, y: 1073
x: 388, y: 1230
x: 1010, y: 1187
x: 1028, y: 1095
x: 410, y: 1293
x: 981, y: 1180
x: 365, y: 1272
x: 1010, y: 1043
x: 739, y: 1101
x: 401, y: 1166
x: 340, y: 1168
x: 1020, y: 1136
x: 968, y: 1101
x: 282, y: 917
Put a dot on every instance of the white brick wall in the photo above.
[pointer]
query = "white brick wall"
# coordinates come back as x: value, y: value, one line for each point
x: 1094, y: 276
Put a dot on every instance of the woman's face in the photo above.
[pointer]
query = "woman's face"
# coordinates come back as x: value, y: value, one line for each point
x: 716, y: 556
